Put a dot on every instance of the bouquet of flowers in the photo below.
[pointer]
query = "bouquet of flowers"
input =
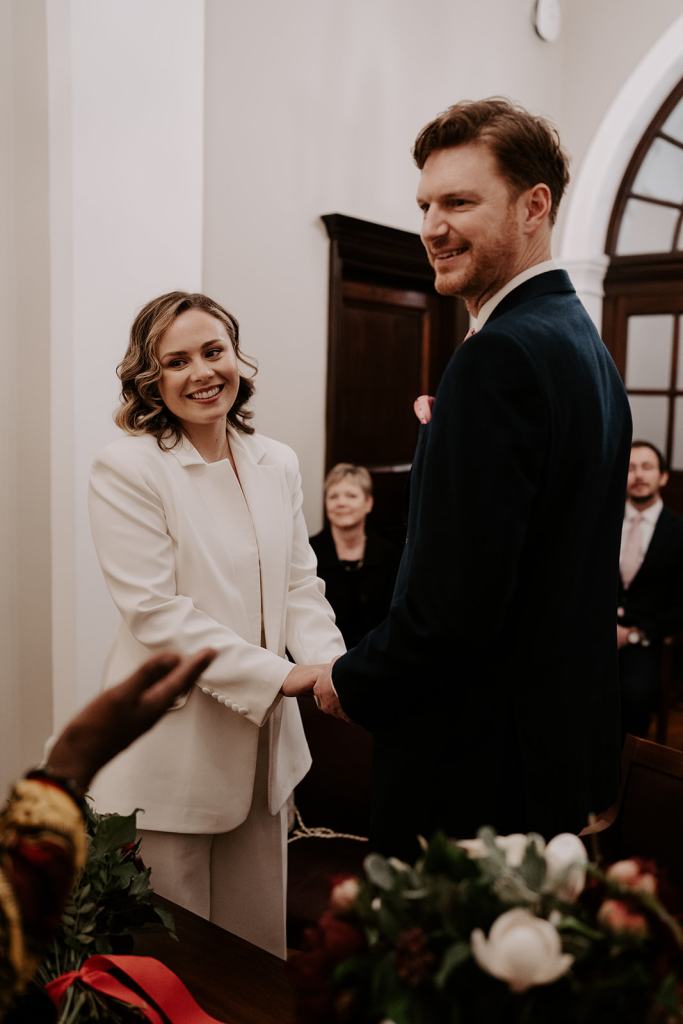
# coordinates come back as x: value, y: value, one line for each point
x: 110, y: 901
x: 497, y: 929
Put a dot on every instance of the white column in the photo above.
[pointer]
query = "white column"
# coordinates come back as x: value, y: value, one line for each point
x: 126, y: 86
x: 588, y: 277
x: 9, y: 754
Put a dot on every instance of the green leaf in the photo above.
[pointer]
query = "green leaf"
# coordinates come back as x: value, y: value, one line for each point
x: 114, y: 831
x: 454, y: 957
x: 533, y: 867
x: 445, y: 857
x: 573, y: 924
x: 399, y: 1008
x: 667, y: 996
x: 385, y: 983
x: 379, y: 871
x: 166, y: 918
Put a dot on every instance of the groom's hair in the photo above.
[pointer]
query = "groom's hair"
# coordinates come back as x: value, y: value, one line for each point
x: 526, y: 147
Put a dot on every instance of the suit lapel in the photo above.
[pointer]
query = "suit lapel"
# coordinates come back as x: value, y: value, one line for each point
x: 265, y: 492
x: 659, y: 539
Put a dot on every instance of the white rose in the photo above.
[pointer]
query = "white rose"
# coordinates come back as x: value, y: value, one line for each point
x: 522, y: 950
x: 566, y: 859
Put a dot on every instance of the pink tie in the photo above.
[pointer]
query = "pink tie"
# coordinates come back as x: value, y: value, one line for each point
x: 632, y: 555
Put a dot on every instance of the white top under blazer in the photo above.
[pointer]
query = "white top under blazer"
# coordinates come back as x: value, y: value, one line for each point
x: 190, y: 558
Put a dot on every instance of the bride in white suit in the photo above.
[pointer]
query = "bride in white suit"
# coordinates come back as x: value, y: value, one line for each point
x: 199, y: 530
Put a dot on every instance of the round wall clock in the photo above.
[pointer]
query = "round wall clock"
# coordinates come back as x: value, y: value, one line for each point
x: 548, y: 19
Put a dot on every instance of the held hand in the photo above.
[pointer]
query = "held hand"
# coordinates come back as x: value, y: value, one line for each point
x: 301, y: 679
x: 622, y: 636
x: 422, y: 407
x: 326, y: 696
x: 121, y: 714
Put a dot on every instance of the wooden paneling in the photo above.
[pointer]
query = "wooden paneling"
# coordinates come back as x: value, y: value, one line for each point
x: 390, y: 337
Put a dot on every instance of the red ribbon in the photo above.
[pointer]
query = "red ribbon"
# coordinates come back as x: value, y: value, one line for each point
x: 153, y: 977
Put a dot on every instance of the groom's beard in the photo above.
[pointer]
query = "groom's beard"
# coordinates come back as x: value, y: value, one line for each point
x: 642, y: 499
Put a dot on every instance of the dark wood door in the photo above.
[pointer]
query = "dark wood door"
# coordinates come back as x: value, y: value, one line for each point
x: 391, y: 336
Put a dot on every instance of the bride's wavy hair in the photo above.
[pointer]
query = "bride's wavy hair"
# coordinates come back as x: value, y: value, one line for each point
x: 142, y: 410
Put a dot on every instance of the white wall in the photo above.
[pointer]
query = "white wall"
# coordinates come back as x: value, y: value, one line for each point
x: 9, y: 747
x: 604, y: 41
x: 126, y: 159
x: 311, y: 108
x: 25, y: 626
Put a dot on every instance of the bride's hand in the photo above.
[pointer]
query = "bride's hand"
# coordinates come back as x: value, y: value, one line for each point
x: 301, y: 679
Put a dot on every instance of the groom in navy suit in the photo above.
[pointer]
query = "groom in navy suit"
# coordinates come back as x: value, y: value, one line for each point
x: 491, y: 687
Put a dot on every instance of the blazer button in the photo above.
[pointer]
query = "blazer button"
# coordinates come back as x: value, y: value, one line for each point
x: 221, y: 699
x: 206, y: 689
x: 242, y: 711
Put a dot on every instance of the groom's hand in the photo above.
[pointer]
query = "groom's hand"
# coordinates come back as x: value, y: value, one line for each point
x: 326, y: 696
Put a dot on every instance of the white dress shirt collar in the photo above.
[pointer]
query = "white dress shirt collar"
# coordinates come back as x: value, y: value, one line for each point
x: 477, y: 322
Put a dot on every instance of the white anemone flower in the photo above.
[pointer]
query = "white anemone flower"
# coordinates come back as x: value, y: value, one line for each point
x: 522, y: 950
x: 566, y: 859
x: 512, y: 846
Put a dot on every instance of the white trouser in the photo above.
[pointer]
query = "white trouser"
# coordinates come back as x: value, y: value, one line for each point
x: 236, y: 879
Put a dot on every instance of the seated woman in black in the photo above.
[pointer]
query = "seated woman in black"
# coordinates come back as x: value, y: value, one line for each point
x: 358, y: 567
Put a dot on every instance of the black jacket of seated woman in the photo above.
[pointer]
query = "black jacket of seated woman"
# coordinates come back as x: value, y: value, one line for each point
x: 358, y: 566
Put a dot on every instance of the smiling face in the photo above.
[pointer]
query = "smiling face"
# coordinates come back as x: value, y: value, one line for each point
x: 645, y: 479
x: 199, y: 372
x: 346, y: 503
x: 477, y: 232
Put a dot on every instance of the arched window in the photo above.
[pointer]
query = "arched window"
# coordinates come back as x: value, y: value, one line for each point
x: 643, y: 310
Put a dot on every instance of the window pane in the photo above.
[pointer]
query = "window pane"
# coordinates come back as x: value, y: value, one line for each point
x: 677, y: 454
x: 679, y: 373
x: 661, y: 173
x: 646, y: 228
x: 648, y: 351
x: 674, y: 123
x: 649, y: 414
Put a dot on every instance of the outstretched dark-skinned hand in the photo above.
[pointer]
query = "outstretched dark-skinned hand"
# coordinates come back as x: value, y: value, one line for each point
x: 122, y: 713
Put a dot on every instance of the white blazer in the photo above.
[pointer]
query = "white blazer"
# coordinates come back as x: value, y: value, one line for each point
x: 190, y: 558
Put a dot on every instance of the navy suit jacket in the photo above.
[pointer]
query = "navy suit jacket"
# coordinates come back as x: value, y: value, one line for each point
x: 498, y: 660
x: 654, y: 601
